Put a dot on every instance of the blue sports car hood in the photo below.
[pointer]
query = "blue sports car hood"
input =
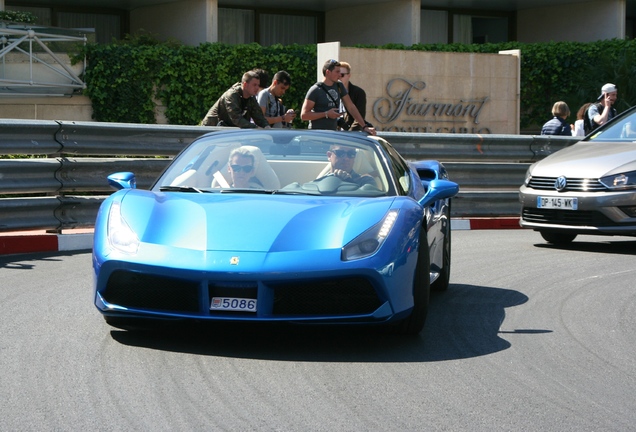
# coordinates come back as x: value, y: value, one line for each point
x: 249, y: 222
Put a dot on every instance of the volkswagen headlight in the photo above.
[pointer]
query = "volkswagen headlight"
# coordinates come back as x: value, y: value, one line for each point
x: 620, y: 181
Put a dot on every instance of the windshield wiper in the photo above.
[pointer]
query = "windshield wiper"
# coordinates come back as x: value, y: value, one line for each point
x: 296, y: 192
x: 180, y: 189
x: 248, y: 190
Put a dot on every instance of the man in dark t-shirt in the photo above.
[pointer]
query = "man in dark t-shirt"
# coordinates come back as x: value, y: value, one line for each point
x: 322, y: 102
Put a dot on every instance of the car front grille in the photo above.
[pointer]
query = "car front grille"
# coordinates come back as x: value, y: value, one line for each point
x: 348, y: 296
x: 330, y: 297
x: 566, y: 217
x: 136, y: 290
x: 573, y: 184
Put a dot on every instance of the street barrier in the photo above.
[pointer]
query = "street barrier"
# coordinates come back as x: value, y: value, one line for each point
x: 44, y: 163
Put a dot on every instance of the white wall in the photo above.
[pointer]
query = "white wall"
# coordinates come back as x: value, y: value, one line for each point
x: 587, y: 21
x: 191, y: 21
x: 378, y: 24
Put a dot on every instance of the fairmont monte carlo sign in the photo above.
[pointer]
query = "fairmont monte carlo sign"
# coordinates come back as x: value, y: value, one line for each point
x: 405, y: 108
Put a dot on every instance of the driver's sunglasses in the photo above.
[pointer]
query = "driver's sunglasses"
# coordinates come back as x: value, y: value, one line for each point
x: 239, y: 168
x: 342, y: 153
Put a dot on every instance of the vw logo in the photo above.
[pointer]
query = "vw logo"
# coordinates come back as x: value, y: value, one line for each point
x: 560, y: 183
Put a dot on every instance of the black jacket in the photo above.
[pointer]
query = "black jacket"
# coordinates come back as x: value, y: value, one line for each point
x: 556, y: 126
x: 359, y: 99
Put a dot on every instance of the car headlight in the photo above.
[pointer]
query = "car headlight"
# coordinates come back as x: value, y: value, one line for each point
x: 120, y: 235
x: 620, y: 181
x: 367, y: 243
x: 526, y: 182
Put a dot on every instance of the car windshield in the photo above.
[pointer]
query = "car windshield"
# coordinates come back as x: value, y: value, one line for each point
x: 623, y: 129
x: 280, y: 162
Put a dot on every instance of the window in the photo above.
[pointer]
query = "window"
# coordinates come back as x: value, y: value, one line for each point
x: 466, y: 26
x: 433, y: 27
x: 106, y: 23
x: 287, y: 29
x: 237, y: 26
x: 402, y: 173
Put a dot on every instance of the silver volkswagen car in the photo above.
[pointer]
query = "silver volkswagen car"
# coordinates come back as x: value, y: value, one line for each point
x: 586, y: 188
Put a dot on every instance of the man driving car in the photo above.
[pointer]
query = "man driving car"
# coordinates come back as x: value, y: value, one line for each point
x: 342, y: 159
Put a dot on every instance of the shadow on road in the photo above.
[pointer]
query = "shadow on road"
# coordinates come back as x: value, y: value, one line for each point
x: 462, y: 322
x: 620, y: 247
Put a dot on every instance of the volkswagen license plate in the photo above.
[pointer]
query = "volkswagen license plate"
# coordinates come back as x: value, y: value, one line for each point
x: 233, y: 304
x: 560, y: 203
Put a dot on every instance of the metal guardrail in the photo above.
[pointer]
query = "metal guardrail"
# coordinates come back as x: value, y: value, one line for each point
x: 489, y: 168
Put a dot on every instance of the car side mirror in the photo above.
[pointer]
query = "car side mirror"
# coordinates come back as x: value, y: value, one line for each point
x: 122, y: 180
x: 439, y: 189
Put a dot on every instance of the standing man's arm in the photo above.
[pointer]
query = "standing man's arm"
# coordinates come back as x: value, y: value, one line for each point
x: 603, y: 116
x: 234, y: 111
x: 351, y: 108
x: 307, y: 114
x: 256, y: 113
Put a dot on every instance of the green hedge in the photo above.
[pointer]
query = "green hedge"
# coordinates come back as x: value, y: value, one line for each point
x: 124, y: 78
x: 18, y: 17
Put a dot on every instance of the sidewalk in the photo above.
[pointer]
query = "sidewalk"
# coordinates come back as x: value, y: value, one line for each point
x: 19, y: 242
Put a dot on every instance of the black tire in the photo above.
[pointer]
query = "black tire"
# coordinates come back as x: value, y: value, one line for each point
x: 414, y: 324
x: 443, y: 280
x: 557, y: 238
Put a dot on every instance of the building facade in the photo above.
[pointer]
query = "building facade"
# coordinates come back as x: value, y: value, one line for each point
x: 375, y: 22
x: 372, y: 22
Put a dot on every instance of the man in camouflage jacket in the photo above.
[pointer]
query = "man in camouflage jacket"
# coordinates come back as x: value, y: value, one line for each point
x: 238, y: 105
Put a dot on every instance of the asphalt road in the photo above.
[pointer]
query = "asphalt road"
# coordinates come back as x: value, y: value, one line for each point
x: 528, y: 337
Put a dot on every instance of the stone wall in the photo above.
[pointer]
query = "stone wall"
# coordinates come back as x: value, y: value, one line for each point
x: 413, y: 91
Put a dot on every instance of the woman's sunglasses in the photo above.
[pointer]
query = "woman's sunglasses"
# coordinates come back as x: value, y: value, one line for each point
x: 239, y: 168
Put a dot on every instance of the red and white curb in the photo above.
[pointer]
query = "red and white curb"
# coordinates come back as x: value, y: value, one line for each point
x: 31, y: 242
x: 25, y: 242
x: 485, y: 223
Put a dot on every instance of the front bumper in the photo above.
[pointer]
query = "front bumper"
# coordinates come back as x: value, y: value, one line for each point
x: 303, y: 292
x: 597, y: 213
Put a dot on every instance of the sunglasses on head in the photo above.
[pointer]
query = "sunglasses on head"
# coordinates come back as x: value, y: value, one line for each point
x: 333, y: 64
x: 239, y: 168
x: 342, y: 153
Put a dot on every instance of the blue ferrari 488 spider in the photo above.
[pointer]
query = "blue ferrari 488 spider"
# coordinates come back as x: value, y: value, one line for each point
x: 277, y: 225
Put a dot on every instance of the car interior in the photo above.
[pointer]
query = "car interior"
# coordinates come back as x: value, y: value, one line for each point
x: 277, y: 165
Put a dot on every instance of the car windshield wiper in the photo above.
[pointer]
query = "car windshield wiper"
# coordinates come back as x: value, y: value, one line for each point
x: 296, y: 192
x: 248, y: 190
x: 181, y: 189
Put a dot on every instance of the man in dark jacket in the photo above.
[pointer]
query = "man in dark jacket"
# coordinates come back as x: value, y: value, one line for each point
x: 558, y: 125
x: 358, y: 97
x: 238, y: 105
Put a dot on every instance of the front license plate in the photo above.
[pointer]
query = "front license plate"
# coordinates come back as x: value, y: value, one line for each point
x: 233, y: 304
x: 558, y: 203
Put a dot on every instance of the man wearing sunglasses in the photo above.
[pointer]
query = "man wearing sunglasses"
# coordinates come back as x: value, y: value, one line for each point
x: 322, y: 102
x: 342, y: 159
x: 241, y: 169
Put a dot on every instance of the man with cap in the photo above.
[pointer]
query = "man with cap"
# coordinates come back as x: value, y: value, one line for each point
x: 603, y: 111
